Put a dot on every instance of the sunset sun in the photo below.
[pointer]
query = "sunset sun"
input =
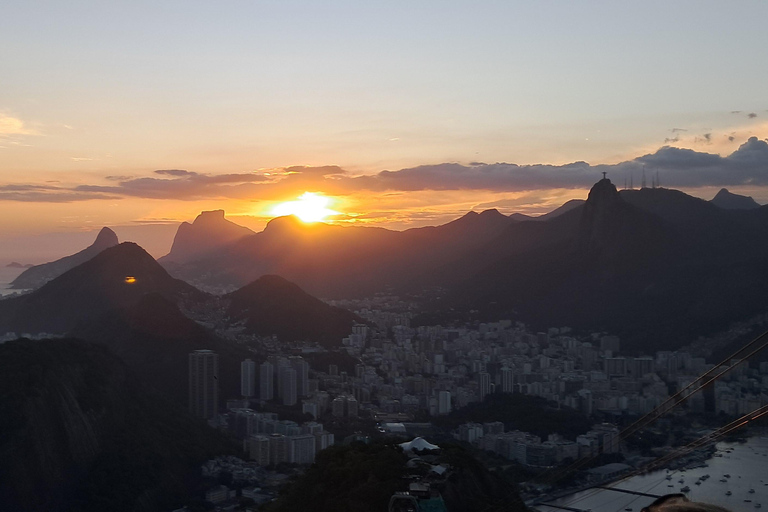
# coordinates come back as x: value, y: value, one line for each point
x: 310, y: 207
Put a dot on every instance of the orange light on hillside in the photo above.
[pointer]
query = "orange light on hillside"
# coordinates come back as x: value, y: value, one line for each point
x: 130, y: 279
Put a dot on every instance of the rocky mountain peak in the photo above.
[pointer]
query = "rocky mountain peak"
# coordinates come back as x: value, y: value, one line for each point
x: 106, y: 238
x: 730, y: 201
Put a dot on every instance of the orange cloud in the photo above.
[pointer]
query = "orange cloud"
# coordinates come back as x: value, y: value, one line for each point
x: 14, y: 126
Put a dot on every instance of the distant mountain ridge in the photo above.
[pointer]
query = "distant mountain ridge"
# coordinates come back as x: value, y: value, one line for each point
x: 331, y: 260
x: 632, y: 262
x: 209, y: 231
x: 38, y: 275
x: 565, y: 207
x: 731, y: 201
x: 116, y: 277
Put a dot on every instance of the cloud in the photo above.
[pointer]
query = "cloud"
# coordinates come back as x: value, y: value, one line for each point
x: 13, y: 126
x: 181, y: 184
x: 677, y: 167
x: 175, y: 172
x: 30, y: 193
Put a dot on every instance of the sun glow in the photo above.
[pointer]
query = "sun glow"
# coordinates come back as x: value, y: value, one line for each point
x: 310, y: 207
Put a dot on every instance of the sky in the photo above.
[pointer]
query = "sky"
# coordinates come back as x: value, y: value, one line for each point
x: 138, y: 115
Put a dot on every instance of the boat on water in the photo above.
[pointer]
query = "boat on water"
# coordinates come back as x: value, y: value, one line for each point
x: 669, y: 477
x: 751, y: 491
x: 757, y: 505
x: 728, y: 493
x: 698, y: 482
x: 685, y: 489
x: 681, y: 481
x: 727, y: 475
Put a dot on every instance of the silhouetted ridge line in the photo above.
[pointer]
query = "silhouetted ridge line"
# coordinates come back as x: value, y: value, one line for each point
x: 38, y: 275
x: 117, y: 277
x: 209, y: 232
x: 272, y: 305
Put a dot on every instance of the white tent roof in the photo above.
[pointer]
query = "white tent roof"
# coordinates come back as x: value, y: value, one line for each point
x: 418, y: 444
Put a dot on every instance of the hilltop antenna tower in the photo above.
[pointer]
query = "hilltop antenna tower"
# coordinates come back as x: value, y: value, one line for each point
x: 658, y: 183
x: 642, y: 183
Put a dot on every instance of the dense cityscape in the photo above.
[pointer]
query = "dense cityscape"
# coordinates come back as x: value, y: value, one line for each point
x: 404, y: 377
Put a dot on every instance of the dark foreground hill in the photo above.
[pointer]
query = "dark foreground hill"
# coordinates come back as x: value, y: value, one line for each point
x: 360, y: 477
x: 115, y: 278
x: 154, y: 339
x: 124, y: 299
x: 271, y: 305
x: 79, y: 431
x: 38, y: 275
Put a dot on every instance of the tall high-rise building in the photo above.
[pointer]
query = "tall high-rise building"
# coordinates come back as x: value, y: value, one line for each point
x: 352, y: 407
x: 266, y: 381
x: 303, y: 449
x: 204, y: 383
x: 484, y: 384
x: 302, y: 375
x: 287, y: 387
x: 248, y: 378
x: 507, y: 380
x: 443, y: 402
x: 338, y: 405
x: 258, y: 449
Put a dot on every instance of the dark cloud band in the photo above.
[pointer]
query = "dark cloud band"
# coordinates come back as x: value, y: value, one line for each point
x: 681, y: 168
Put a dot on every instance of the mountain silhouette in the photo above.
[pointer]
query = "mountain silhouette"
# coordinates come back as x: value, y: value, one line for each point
x: 153, y: 337
x: 38, y: 275
x: 633, y: 263
x: 81, y: 431
x: 115, y: 278
x: 209, y: 231
x: 272, y: 305
x: 336, y: 261
x: 565, y: 207
x: 731, y: 201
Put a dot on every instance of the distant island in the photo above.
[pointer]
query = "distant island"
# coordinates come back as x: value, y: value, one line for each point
x: 16, y: 264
